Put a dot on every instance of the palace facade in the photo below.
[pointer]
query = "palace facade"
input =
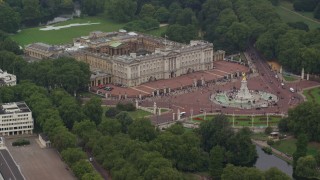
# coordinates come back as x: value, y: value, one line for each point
x: 132, y: 59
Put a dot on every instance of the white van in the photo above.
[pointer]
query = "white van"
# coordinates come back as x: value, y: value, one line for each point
x: 182, y: 114
x: 292, y: 90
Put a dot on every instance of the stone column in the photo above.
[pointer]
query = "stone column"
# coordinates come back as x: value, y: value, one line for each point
x: 119, y: 96
x: 106, y: 95
x: 169, y: 90
x: 308, y: 76
x: 137, y: 104
x: 125, y: 96
x: 154, y: 107
x: 158, y: 92
x: 173, y: 116
x: 164, y: 90
x: 140, y: 97
x: 281, y: 70
x: 267, y: 120
x: 191, y: 112
x: 159, y: 111
x: 194, y: 82
x: 202, y: 81
x: 153, y: 93
x: 178, y: 114
x: 302, y: 73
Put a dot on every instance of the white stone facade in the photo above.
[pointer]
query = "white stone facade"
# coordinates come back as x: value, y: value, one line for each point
x: 7, y: 79
x: 15, y: 118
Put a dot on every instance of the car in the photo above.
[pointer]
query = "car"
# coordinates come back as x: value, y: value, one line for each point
x: 108, y: 88
x: 91, y: 159
x: 291, y: 90
x: 258, y: 108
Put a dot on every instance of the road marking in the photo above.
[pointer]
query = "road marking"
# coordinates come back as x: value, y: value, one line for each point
x: 222, y: 71
x: 139, y: 90
x: 213, y: 73
x: 7, y: 165
x: 177, y: 106
x: 148, y: 87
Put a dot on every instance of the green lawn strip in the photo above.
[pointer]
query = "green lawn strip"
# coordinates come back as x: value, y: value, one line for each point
x: 288, y: 16
x: 288, y: 146
x: 313, y: 95
x: 244, y: 120
x: 66, y: 35
x: 289, y: 78
x: 134, y: 114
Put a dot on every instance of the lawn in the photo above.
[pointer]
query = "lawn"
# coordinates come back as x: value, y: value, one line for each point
x: 288, y: 146
x: 66, y: 35
x: 134, y: 114
x: 289, y: 78
x: 288, y: 16
x: 313, y: 95
x: 246, y: 121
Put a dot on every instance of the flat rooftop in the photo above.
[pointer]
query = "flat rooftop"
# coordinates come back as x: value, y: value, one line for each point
x: 14, y: 107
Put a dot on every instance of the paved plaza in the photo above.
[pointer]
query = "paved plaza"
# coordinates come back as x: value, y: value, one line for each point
x: 38, y: 163
x: 196, y: 100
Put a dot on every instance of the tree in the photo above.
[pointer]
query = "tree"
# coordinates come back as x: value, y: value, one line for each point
x: 91, y: 176
x: 301, y: 151
x: 231, y: 172
x: 239, y: 34
x: 93, y: 7
x: 69, y: 112
x: 72, y: 155
x: 147, y: 10
x: 10, y: 45
x: 162, y: 15
x: 81, y: 168
x: 122, y: 10
x: 125, y: 120
x: 216, y: 162
x: 316, y: 13
x: 31, y: 12
x: 306, y: 167
x: 299, y: 25
x: 181, y: 33
x: 142, y: 129
x: 275, y: 174
x: 268, y: 130
x: 305, y: 5
x: 6, y: 94
x: 9, y: 19
x: 63, y: 139
x: 111, y: 112
x: 93, y: 110
x: 109, y: 127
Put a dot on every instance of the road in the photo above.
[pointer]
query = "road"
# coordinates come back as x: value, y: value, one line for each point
x: 8, y: 167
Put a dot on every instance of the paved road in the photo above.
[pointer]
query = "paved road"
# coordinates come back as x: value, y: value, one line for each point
x: 8, y: 167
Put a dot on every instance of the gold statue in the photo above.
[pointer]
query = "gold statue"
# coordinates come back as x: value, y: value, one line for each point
x: 244, y: 78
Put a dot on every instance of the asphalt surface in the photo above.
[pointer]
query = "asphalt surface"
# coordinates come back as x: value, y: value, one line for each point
x: 8, y: 167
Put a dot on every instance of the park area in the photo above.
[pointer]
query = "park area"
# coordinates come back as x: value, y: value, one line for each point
x: 244, y: 121
x: 313, y: 95
x: 287, y: 14
x: 78, y: 27
x: 288, y: 146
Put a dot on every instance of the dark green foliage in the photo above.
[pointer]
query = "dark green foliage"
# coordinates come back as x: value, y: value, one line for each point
x: 126, y: 107
x: 93, y: 7
x: 283, y: 125
x: 301, y: 151
x: 275, y: 174
x: 304, y: 119
x: 299, y: 25
x: 93, y: 110
x: 9, y: 19
x: 121, y: 10
x: 21, y: 142
x: 142, y: 25
x: 181, y: 33
x: 306, y: 168
x: 72, y: 155
x: 316, y: 12
x: 268, y: 130
x: 216, y: 162
x: 142, y: 129
x: 112, y: 112
x: 125, y: 121
x: 305, y: 5
x: 267, y: 150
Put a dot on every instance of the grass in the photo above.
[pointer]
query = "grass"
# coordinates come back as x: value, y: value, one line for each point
x: 288, y: 146
x: 245, y: 121
x: 66, y: 35
x: 288, y: 16
x: 289, y: 78
x: 259, y: 136
x: 313, y: 94
x: 134, y: 114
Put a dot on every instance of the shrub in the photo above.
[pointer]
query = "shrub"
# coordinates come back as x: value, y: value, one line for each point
x: 267, y: 150
x: 112, y: 112
x: 270, y: 142
x: 126, y: 107
x: 268, y: 130
x: 21, y: 142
